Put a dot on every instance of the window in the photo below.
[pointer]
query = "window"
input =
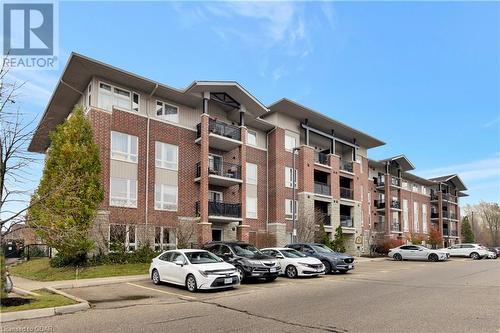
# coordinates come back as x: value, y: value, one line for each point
x: 406, y: 227
x: 251, y: 173
x: 110, y: 96
x: 424, y: 218
x: 123, y: 192
x: 215, y: 196
x: 416, y: 226
x: 415, y: 188
x: 167, y: 111
x: 166, y: 156
x: 290, y: 142
x: 123, y: 147
x: 289, y: 177
x: 405, y: 184
x: 89, y: 93
x: 165, y: 197
x: 164, y: 239
x: 424, y: 190
x: 361, y: 190
x: 289, y: 207
x: 251, y: 138
x: 251, y: 207
x: 122, y: 236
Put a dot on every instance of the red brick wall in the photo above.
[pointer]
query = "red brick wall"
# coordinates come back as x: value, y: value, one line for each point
x: 258, y: 156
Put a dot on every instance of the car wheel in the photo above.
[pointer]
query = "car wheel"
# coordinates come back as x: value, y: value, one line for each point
x: 328, y: 267
x: 191, y: 283
x: 433, y: 257
x: 474, y: 256
x: 291, y: 271
x: 241, y: 273
x: 397, y: 257
x: 155, y: 276
x: 271, y: 278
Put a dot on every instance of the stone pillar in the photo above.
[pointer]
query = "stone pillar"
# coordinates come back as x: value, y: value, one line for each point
x: 279, y: 230
x: 242, y: 233
x: 388, y: 199
x: 204, y: 230
x: 243, y: 162
x: 440, y: 212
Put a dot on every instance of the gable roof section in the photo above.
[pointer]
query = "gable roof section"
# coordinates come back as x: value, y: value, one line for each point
x: 454, y: 179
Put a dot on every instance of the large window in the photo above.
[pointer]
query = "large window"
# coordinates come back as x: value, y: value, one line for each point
x: 251, y: 173
x: 251, y: 138
x: 110, y: 96
x: 424, y: 218
x: 289, y: 208
x: 122, y: 236
x: 165, y: 197
x: 416, y: 226
x: 251, y: 207
x: 164, y: 239
x: 123, y: 147
x: 289, y: 177
x: 290, y: 142
x: 166, y: 156
x: 123, y: 192
x: 167, y: 111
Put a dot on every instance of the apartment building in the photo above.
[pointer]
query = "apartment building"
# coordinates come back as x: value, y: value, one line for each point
x: 214, y: 162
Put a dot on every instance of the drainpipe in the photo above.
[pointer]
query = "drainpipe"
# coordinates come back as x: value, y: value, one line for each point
x: 146, y: 210
x: 294, y: 210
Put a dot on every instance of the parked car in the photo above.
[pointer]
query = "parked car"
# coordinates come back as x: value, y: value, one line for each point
x: 195, y: 269
x: 294, y: 263
x: 417, y: 252
x: 333, y: 261
x: 492, y: 254
x: 248, y: 260
x: 496, y: 250
x: 474, y: 251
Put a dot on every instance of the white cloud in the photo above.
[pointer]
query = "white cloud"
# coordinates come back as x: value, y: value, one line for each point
x: 492, y: 122
x: 37, y: 86
x: 469, y: 172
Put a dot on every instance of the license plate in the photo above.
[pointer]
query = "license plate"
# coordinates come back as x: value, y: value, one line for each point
x: 350, y: 266
x: 228, y: 280
x: 272, y: 270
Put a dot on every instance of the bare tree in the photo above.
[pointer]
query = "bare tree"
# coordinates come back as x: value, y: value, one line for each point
x: 185, y: 233
x: 490, y: 214
x: 15, y: 160
x: 308, y: 225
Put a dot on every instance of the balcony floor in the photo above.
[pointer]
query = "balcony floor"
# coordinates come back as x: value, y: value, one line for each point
x: 221, y: 180
x: 221, y: 142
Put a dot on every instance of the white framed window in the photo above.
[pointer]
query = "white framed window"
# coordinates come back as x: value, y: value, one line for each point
x: 251, y: 207
x: 123, y: 192
x: 122, y: 235
x: 416, y: 226
x: 406, y: 227
x: 215, y: 196
x: 105, y: 96
x: 89, y: 94
x: 405, y: 184
x: 166, y: 156
x: 251, y: 138
x: 424, y: 218
x: 290, y: 142
x: 289, y: 207
x: 251, y: 173
x: 109, y: 96
x: 167, y: 111
x: 164, y: 239
x: 124, y: 147
x: 415, y: 188
x: 136, y: 100
x: 165, y: 197
x: 289, y: 177
x: 423, y: 189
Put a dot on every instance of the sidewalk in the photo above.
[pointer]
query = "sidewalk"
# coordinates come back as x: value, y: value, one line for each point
x: 366, y: 259
x: 31, y: 285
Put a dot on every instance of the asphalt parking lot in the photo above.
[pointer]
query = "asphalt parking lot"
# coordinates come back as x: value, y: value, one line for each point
x: 460, y: 295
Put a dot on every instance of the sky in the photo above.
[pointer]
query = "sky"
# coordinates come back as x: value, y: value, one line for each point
x: 422, y: 77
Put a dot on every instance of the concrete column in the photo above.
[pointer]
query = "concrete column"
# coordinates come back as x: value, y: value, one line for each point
x: 440, y: 212
x: 204, y: 230
x: 388, y: 199
x: 243, y: 161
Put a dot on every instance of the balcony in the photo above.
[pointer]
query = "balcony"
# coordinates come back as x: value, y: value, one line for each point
x: 380, y: 204
x: 449, y: 215
x: 321, y: 188
x: 220, y: 211
x: 221, y: 136
x: 395, y: 204
x: 449, y: 197
x: 434, y: 197
x: 396, y: 227
x: 326, y: 219
x: 221, y: 173
x: 434, y: 215
x: 346, y: 166
x: 379, y: 226
x: 346, y: 221
x: 321, y: 158
x: 380, y: 183
x: 346, y: 193
x: 395, y: 182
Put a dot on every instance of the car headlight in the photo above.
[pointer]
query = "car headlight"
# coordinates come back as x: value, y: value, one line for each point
x: 203, y: 273
x: 303, y: 264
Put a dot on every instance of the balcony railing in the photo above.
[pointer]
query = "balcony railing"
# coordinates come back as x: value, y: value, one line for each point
x: 223, y: 169
x: 380, y: 204
x: 321, y: 188
x: 346, y: 166
x: 434, y: 196
x: 326, y: 219
x: 395, y: 204
x: 321, y: 158
x: 447, y: 232
x: 434, y: 215
x: 449, y: 215
x: 396, y: 226
x: 380, y: 181
x: 346, y: 193
x: 346, y: 221
x: 223, y: 209
x: 221, y: 128
x: 449, y: 197
x: 395, y: 181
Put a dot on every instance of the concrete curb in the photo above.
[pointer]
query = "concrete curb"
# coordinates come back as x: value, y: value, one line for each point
x: 93, y: 283
x: 47, y: 312
x: 23, y: 292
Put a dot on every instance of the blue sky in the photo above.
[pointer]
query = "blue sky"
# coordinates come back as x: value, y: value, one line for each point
x: 423, y: 77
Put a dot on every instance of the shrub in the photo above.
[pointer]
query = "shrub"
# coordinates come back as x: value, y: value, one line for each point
x: 384, y: 245
x: 4, y: 276
x: 60, y: 260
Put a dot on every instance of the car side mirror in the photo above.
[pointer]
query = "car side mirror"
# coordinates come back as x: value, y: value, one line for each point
x: 279, y: 256
x: 179, y: 262
x: 227, y: 255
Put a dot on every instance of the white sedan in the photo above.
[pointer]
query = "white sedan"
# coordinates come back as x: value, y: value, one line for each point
x: 195, y: 269
x: 294, y: 263
x: 417, y: 252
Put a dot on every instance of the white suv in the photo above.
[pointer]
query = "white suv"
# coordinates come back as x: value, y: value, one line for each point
x: 474, y: 251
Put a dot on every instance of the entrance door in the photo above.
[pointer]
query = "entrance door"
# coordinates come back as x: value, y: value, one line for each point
x: 216, y: 235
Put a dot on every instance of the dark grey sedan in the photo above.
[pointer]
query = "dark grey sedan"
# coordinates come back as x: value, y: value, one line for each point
x: 333, y: 261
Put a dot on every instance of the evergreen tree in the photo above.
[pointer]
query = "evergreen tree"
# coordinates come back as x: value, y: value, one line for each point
x: 321, y: 236
x: 338, y: 243
x: 467, y: 234
x: 70, y: 187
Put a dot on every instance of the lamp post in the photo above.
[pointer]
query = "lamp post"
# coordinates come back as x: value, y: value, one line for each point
x: 294, y: 206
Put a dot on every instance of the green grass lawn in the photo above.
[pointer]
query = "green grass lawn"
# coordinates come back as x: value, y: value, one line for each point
x: 45, y: 300
x: 40, y: 270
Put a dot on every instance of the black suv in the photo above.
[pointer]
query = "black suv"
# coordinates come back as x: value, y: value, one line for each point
x: 333, y: 261
x: 248, y: 260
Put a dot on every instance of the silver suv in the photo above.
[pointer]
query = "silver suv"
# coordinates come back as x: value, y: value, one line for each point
x: 474, y: 251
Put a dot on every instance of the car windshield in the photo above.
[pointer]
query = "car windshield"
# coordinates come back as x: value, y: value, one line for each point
x: 245, y: 250
x: 291, y: 253
x: 202, y: 257
x: 322, y: 248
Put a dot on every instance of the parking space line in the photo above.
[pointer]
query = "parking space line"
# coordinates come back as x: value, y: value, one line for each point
x: 161, y: 291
